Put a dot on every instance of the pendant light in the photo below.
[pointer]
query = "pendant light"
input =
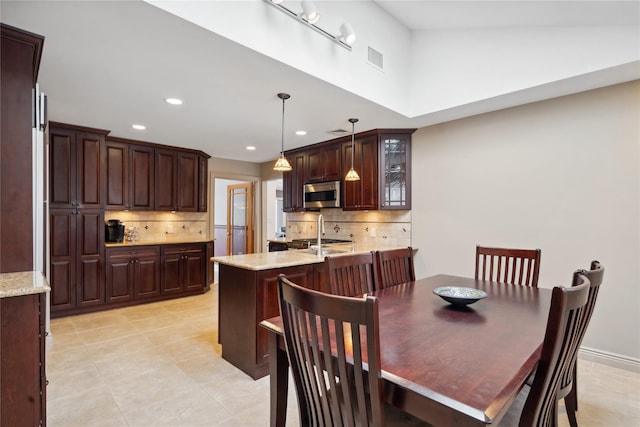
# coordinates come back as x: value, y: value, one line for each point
x: 282, y: 164
x: 352, y: 175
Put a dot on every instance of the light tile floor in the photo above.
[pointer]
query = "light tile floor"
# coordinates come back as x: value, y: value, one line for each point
x: 160, y: 365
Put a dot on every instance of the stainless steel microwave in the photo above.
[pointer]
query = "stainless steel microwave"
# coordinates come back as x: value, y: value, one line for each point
x: 322, y: 195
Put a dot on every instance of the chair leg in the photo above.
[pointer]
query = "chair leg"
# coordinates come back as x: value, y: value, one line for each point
x: 571, y: 401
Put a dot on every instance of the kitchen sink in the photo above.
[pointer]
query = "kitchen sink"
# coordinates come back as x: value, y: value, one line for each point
x: 324, y: 251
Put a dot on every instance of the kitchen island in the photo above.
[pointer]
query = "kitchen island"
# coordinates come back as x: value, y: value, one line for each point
x: 22, y: 344
x: 248, y: 294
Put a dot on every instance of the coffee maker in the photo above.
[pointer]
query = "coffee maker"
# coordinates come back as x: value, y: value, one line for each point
x: 114, y: 231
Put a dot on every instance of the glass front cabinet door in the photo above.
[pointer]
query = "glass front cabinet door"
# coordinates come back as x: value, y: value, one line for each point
x: 395, y: 171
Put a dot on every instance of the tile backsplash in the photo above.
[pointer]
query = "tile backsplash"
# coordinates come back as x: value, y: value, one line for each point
x: 153, y: 226
x: 382, y: 228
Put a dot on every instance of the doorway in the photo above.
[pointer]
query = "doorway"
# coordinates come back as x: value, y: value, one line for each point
x: 220, y: 210
x: 240, y: 235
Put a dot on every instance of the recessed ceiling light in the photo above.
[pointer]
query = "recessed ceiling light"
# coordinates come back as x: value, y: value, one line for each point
x: 173, y: 101
x: 250, y: 147
x: 301, y: 132
x: 139, y: 127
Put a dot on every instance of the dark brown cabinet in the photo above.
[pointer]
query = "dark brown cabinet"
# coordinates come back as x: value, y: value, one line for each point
x: 382, y: 158
x: 179, y: 181
x: 22, y: 339
x: 361, y: 194
x: 323, y: 164
x: 130, y: 176
x: 247, y: 297
x: 395, y: 171
x: 76, y: 259
x: 203, y: 177
x: 19, y: 63
x: 183, y: 268
x: 293, y: 183
x: 132, y: 273
x: 76, y: 159
x: 22, y: 318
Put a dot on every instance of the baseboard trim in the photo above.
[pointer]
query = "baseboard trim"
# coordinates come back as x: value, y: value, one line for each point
x: 610, y: 359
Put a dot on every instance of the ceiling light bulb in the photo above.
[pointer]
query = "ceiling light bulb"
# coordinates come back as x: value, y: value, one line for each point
x: 347, y: 34
x: 250, y: 147
x: 310, y: 11
x: 139, y: 127
x: 301, y: 132
x: 173, y: 101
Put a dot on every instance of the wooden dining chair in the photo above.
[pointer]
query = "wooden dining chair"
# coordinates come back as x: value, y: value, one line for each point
x: 350, y: 275
x: 559, y: 347
x: 393, y: 267
x: 342, y: 386
x: 569, y: 383
x: 515, y: 266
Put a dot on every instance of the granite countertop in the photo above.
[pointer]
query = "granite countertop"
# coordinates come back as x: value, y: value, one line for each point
x: 22, y: 283
x: 153, y: 243
x: 291, y: 258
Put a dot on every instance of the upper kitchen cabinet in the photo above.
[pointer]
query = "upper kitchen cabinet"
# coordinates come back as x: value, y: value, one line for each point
x: 323, y: 164
x: 361, y: 194
x: 395, y: 170
x: 20, y: 59
x: 130, y: 175
x: 76, y: 159
x: 180, y: 182
x: 293, y: 182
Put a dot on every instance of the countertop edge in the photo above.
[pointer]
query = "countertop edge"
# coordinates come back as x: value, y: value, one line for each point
x: 23, y: 283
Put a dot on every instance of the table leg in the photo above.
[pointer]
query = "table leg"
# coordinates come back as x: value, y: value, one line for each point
x: 278, y: 380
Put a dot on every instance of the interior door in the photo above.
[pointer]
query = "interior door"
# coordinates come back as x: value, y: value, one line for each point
x: 240, y: 219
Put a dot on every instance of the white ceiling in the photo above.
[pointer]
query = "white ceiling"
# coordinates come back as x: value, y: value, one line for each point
x: 110, y: 64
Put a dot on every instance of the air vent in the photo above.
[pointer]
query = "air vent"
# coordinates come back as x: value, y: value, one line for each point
x: 375, y: 58
x: 338, y: 131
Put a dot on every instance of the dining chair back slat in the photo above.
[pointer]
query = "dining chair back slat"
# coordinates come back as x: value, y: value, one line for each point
x: 350, y: 275
x: 393, y: 267
x: 559, y: 349
x: 515, y: 266
x: 569, y: 383
x: 333, y: 348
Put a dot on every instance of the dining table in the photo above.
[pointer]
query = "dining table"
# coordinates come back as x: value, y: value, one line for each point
x: 445, y: 364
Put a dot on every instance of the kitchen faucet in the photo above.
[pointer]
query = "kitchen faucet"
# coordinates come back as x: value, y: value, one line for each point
x: 320, y: 233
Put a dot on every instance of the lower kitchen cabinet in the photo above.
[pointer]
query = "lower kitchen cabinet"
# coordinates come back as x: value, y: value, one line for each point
x: 183, y: 268
x: 22, y: 366
x: 76, y: 259
x: 132, y: 273
x: 247, y: 297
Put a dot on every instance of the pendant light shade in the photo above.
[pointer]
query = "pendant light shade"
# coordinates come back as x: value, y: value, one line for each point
x: 282, y: 164
x: 352, y: 175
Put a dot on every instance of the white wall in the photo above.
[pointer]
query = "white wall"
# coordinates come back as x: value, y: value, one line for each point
x: 561, y: 175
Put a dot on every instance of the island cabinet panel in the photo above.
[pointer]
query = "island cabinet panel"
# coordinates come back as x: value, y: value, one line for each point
x: 22, y: 339
x: 246, y: 297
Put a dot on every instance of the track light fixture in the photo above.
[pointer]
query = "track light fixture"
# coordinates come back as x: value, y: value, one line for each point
x: 282, y: 164
x: 310, y: 11
x: 310, y: 15
x: 347, y: 35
